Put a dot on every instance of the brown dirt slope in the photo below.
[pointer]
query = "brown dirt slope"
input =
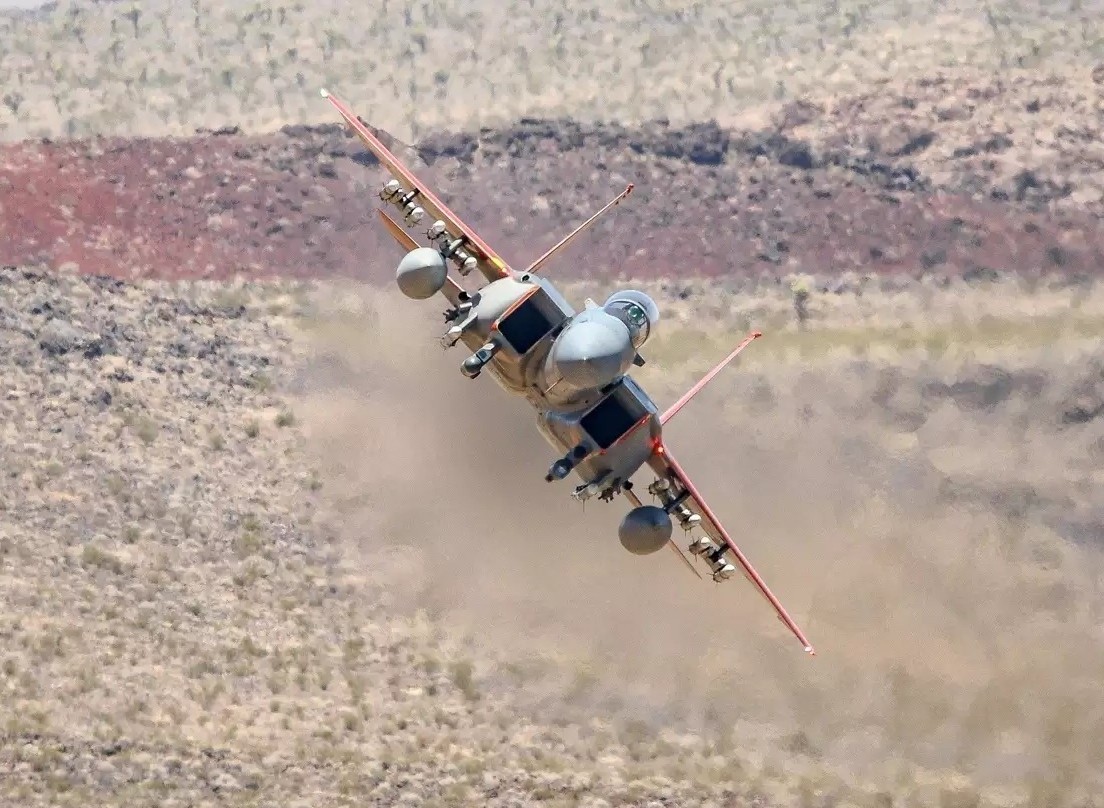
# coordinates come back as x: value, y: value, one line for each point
x: 934, y: 177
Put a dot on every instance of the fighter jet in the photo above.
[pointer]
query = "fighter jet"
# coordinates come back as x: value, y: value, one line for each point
x: 571, y: 366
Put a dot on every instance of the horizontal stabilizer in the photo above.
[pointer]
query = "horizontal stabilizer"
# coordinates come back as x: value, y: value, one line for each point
x: 404, y: 239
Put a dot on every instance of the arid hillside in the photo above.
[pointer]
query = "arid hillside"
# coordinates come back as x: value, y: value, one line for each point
x: 264, y: 543
x: 162, y: 67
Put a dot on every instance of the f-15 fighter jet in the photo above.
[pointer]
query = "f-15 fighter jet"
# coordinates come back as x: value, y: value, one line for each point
x: 571, y: 366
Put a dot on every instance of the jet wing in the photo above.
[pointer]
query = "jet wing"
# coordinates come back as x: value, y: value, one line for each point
x: 664, y: 464
x: 487, y: 260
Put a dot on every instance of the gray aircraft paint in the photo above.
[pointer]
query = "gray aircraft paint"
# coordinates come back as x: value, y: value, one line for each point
x: 594, y: 350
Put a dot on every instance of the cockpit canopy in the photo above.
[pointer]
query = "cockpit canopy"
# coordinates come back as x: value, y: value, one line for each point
x: 636, y: 310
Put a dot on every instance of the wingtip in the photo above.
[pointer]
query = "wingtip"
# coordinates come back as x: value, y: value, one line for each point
x: 324, y: 92
x: 756, y: 334
x: 809, y: 650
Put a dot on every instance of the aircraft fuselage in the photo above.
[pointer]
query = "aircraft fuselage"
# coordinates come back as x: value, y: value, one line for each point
x: 571, y: 367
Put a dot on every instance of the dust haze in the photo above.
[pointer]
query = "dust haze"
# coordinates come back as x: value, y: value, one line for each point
x: 956, y: 632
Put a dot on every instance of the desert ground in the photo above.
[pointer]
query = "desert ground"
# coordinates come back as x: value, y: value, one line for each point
x: 261, y: 543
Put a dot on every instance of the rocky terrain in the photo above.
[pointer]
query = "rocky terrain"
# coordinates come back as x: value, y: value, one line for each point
x: 935, y: 178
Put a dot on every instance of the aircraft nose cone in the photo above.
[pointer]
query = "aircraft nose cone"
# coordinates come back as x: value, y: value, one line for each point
x: 590, y: 354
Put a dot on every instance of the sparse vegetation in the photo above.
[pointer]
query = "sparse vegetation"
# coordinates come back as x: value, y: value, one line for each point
x: 260, y: 382
x: 462, y: 676
x: 800, y: 289
x: 93, y: 556
x: 165, y: 69
x: 146, y: 429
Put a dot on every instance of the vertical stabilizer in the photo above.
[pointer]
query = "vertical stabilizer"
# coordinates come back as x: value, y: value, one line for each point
x: 536, y: 265
x: 707, y: 378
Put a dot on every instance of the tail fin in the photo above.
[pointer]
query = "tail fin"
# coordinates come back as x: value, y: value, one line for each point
x: 707, y: 378
x: 581, y: 228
